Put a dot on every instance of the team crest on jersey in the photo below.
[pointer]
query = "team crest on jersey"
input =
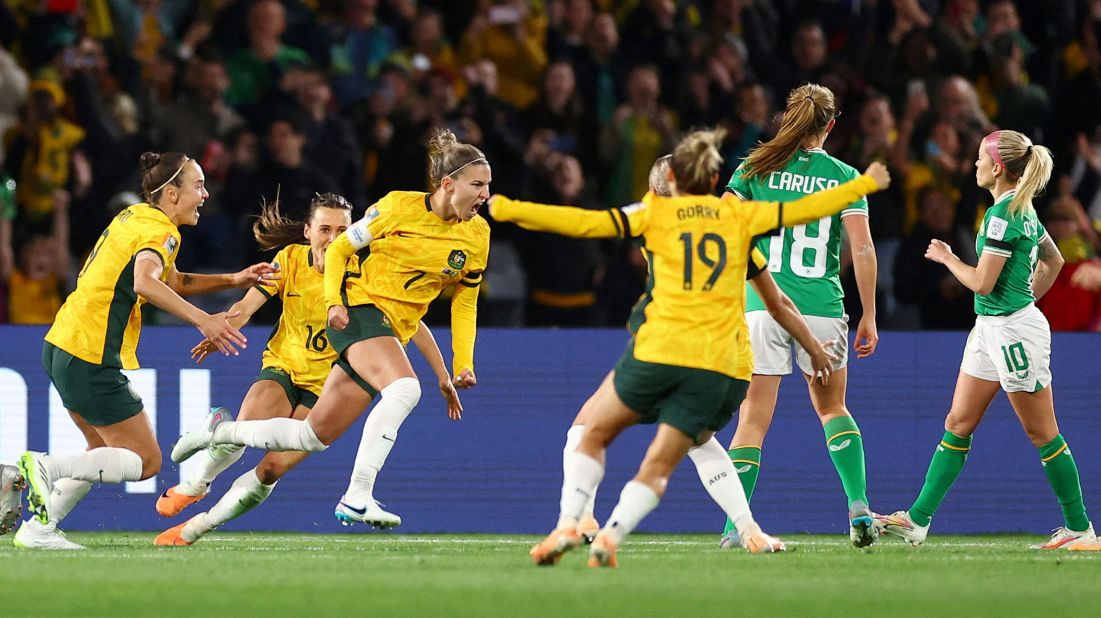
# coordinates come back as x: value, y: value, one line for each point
x: 457, y: 259
x: 170, y: 244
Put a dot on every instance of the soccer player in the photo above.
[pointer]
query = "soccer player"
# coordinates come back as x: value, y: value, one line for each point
x: 688, y: 365
x: 296, y: 362
x: 597, y: 224
x: 804, y: 259
x: 95, y: 336
x: 420, y: 243
x: 1010, y: 346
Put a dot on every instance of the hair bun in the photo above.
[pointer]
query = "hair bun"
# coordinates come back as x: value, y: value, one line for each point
x: 149, y: 160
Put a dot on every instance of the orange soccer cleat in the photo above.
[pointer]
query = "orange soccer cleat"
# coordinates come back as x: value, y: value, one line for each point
x: 757, y: 542
x: 172, y: 503
x: 588, y: 528
x: 558, y: 542
x: 602, y: 552
x: 172, y: 537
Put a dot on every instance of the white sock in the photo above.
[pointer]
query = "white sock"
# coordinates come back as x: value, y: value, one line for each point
x: 212, y: 462
x: 246, y: 493
x: 380, y: 431
x: 635, y: 502
x: 581, y: 475
x: 720, y: 479
x: 573, y: 438
x: 100, y: 465
x: 65, y: 496
x: 273, y: 434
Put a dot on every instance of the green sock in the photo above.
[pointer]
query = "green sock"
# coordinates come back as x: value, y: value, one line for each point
x: 944, y: 468
x: 847, y: 452
x: 1062, y: 473
x: 747, y: 462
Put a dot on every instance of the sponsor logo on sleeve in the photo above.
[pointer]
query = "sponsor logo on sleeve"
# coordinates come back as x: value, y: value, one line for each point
x: 170, y: 244
x: 996, y: 228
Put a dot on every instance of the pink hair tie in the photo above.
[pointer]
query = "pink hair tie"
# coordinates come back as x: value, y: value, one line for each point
x: 991, y: 143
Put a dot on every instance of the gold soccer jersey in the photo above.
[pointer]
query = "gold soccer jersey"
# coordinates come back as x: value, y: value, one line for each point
x: 298, y: 344
x: 407, y: 256
x: 100, y: 322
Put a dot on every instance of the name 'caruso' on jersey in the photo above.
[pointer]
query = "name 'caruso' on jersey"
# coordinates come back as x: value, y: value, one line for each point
x: 788, y: 181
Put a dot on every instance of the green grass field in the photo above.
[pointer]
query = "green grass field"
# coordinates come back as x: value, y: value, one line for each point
x: 242, y: 574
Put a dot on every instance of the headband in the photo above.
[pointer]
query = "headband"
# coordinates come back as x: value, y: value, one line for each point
x: 991, y: 144
x: 460, y: 168
x: 170, y: 178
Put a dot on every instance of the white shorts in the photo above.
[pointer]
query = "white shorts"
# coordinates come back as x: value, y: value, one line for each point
x: 772, y: 344
x: 1014, y: 350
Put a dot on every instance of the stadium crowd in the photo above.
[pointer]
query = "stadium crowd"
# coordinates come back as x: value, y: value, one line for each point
x: 571, y: 100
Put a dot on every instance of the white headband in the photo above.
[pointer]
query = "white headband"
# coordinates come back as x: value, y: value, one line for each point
x: 170, y: 178
x: 460, y: 168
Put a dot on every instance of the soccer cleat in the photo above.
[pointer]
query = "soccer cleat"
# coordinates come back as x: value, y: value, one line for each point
x: 757, y: 542
x: 862, y: 528
x: 38, y: 484
x: 1084, y: 545
x: 588, y: 528
x: 173, y: 537
x: 371, y: 514
x: 172, y: 503
x: 11, y: 497
x: 602, y: 553
x: 36, y: 535
x: 558, y: 542
x: 901, y: 525
x: 1064, y: 537
x: 194, y: 441
x: 730, y: 540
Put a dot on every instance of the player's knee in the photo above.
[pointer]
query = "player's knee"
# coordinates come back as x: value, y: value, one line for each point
x: 405, y: 390
x: 270, y: 471
x: 958, y: 425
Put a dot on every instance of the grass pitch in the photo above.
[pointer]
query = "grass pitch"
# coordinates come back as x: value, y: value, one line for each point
x: 237, y: 575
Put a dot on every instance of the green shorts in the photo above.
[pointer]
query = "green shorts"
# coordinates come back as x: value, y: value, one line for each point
x: 101, y: 395
x: 691, y: 400
x: 297, y: 395
x: 347, y: 367
x: 364, y: 322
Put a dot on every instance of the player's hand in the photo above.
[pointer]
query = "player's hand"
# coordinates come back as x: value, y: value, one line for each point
x: 338, y: 317
x: 465, y: 379
x: 201, y: 350
x: 822, y: 361
x: 221, y: 333
x: 939, y: 251
x: 257, y: 273
x: 451, y: 396
x: 490, y: 206
x: 867, y: 337
x: 878, y: 172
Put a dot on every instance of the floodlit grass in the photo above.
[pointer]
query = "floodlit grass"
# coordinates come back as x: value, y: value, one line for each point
x: 236, y: 575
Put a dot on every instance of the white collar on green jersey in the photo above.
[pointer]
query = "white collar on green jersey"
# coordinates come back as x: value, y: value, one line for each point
x: 821, y: 150
x: 1009, y: 193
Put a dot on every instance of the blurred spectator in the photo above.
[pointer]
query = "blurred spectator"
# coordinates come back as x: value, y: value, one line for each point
x: 40, y: 271
x: 7, y: 251
x: 511, y: 36
x: 493, y: 125
x: 641, y: 131
x: 598, y: 69
x: 1072, y: 303
x: 146, y: 26
x: 748, y: 127
x: 560, y: 109
x: 360, y: 44
x: 563, y: 273
x: 255, y: 70
x: 1005, y: 94
x: 428, y: 49
x: 44, y: 155
x: 660, y: 33
x: 955, y: 37
x: 569, y: 21
x: 199, y: 115
x: 13, y: 83
x: 943, y: 302
x: 330, y: 140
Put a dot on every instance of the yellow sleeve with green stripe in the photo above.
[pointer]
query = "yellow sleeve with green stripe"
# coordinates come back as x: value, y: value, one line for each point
x: 563, y: 220
x: 765, y: 216
x: 336, y: 258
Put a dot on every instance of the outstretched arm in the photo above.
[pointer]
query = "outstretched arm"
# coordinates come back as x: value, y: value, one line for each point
x: 240, y: 313
x: 765, y: 216
x: 563, y: 220
x: 189, y: 284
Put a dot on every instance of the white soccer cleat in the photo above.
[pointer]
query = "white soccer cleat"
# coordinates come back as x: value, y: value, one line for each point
x: 34, y: 534
x: 1066, y: 538
x: 757, y: 542
x: 901, y: 525
x: 194, y: 441
x: 862, y: 529
x: 371, y: 514
x: 11, y: 497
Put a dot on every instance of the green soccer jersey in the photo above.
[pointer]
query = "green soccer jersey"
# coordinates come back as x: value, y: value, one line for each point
x: 1017, y: 239
x: 804, y: 259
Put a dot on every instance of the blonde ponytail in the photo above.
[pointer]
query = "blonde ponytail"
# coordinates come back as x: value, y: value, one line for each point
x: 696, y: 161
x: 1028, y: 164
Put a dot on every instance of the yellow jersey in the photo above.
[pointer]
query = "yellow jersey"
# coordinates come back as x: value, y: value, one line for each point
x: 298, y: 344
x: 100, y: 321
x: 697, y: 249
x: 406, y: 256
x: 33, y: 301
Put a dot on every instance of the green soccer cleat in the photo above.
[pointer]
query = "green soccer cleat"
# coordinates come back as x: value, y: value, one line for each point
x: 38, y: 483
